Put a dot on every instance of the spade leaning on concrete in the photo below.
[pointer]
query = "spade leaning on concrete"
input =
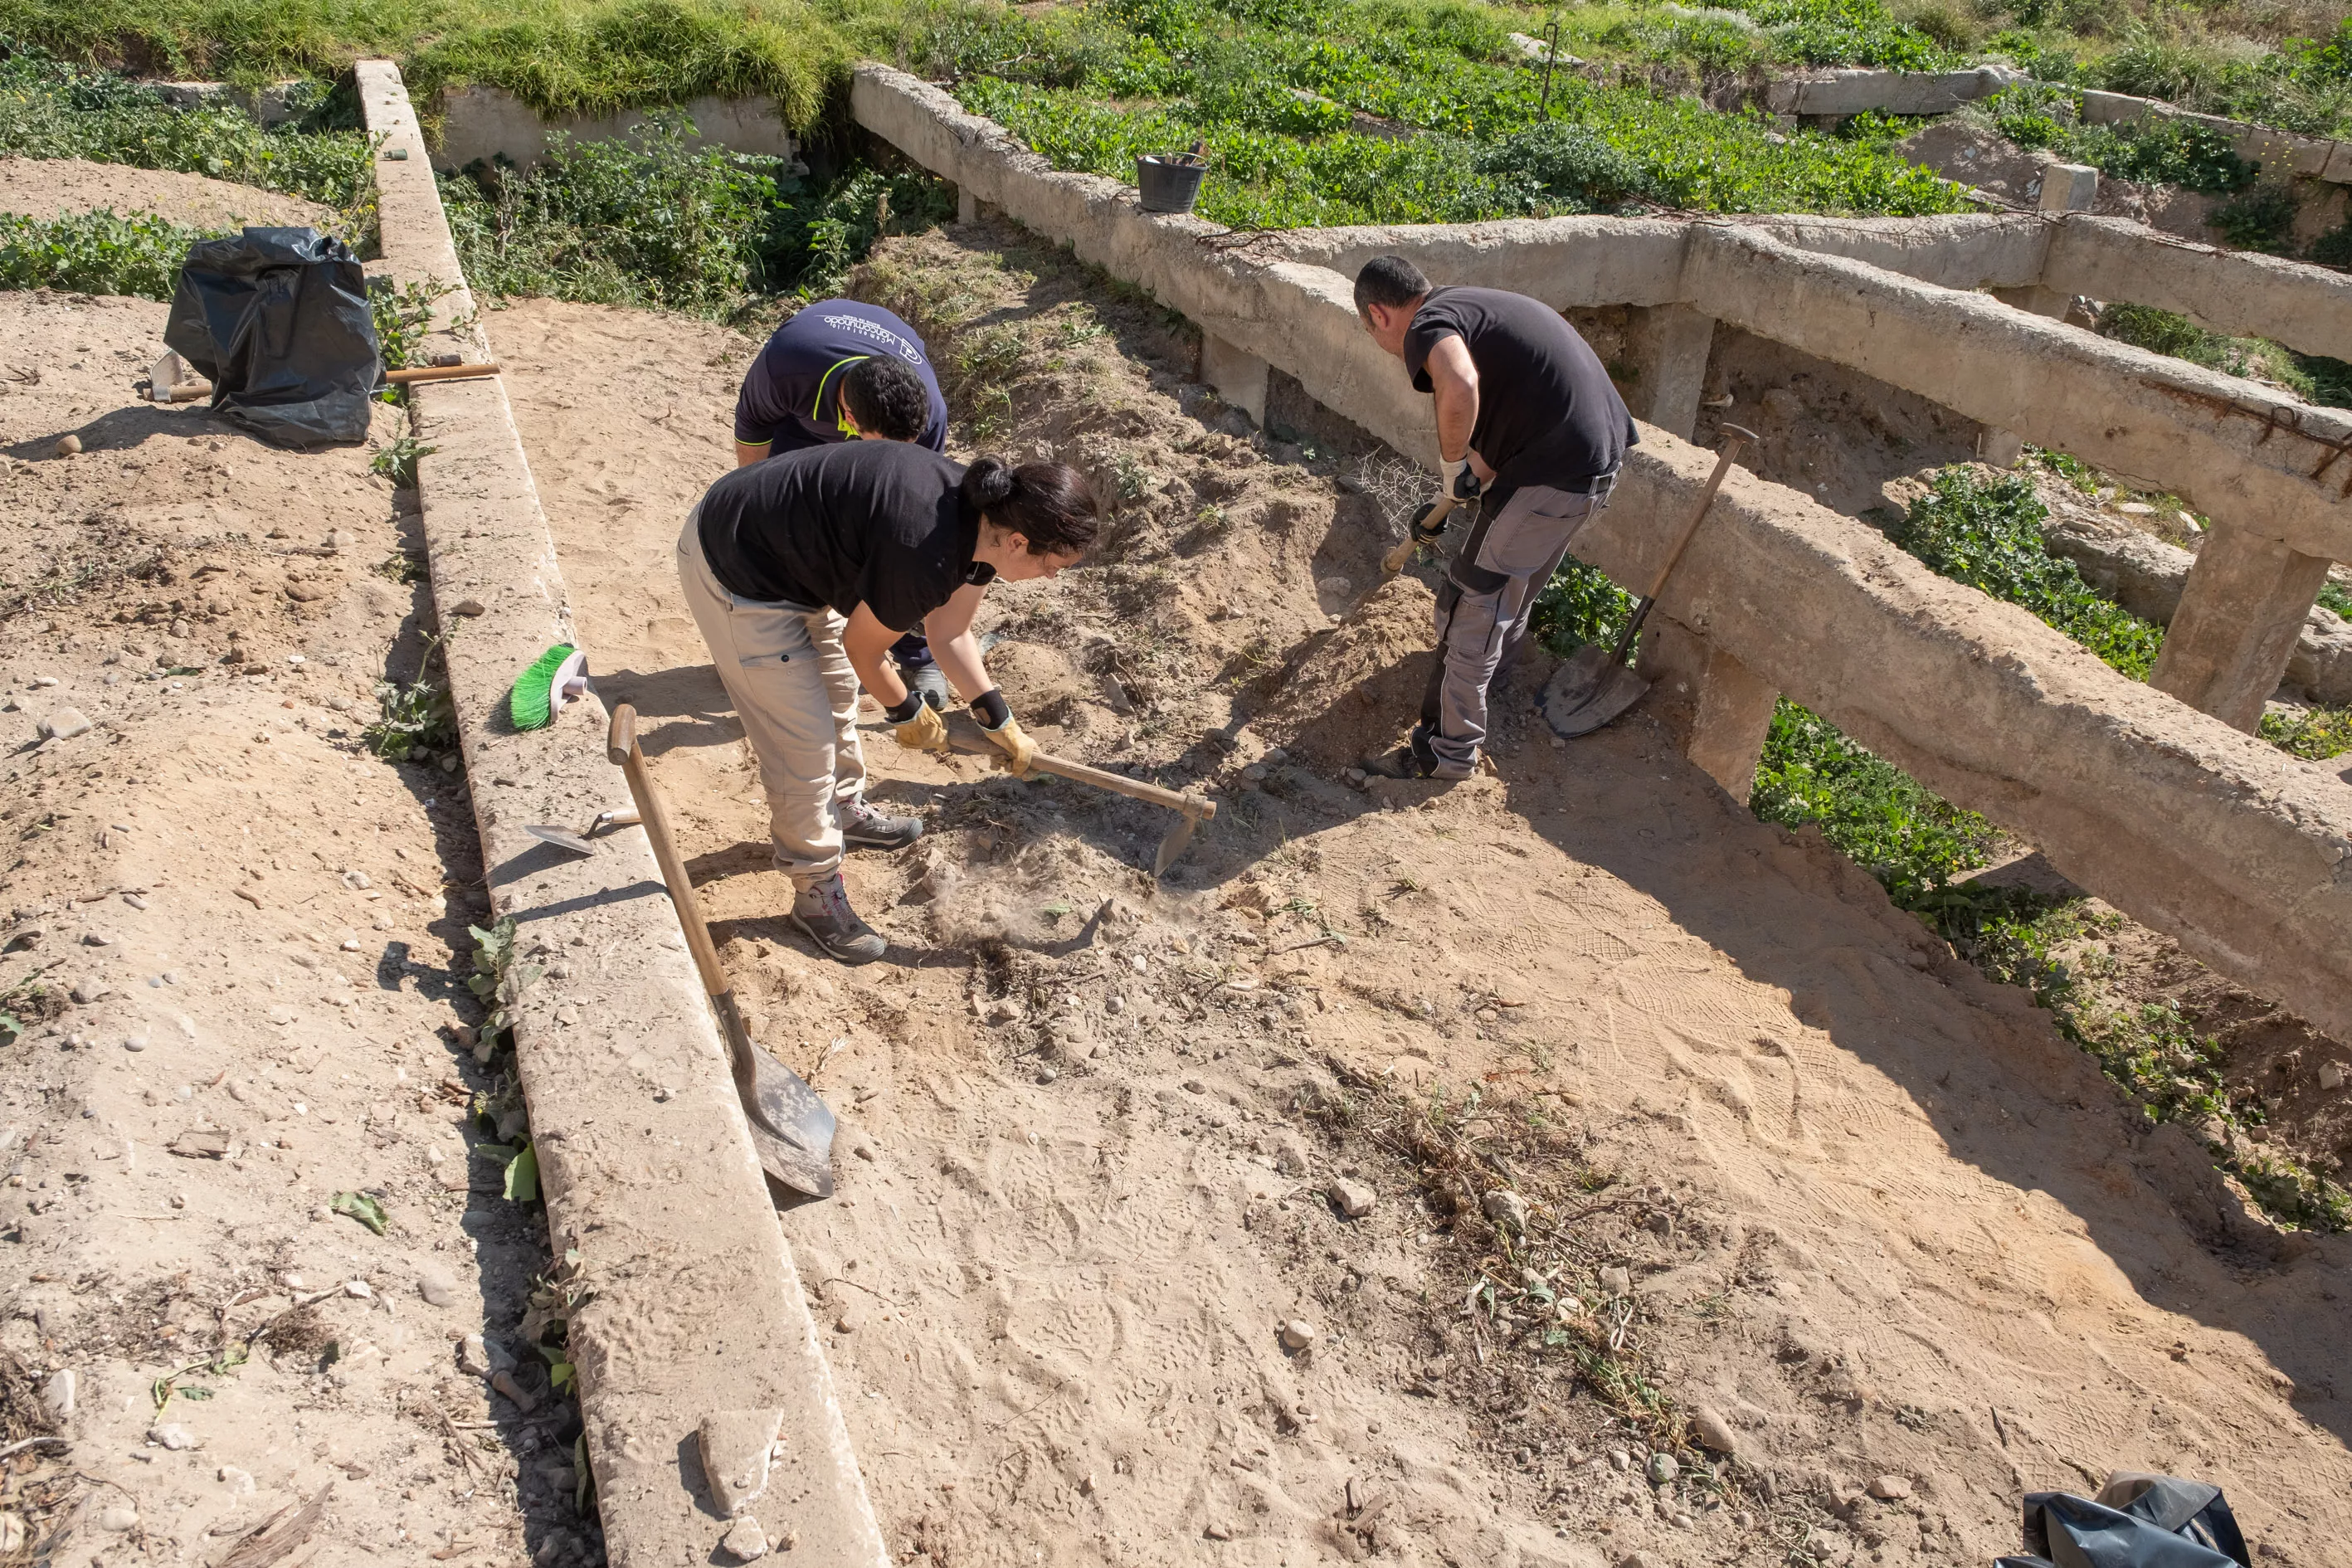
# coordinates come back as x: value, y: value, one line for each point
x: 802, y: 571
x: 1531, y: 428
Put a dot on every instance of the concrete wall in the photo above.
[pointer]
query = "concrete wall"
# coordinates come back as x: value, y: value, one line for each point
x: 2240, y: 851
x: 2278, y: 152
x: 697, y: 1310
x: 491, y: 123
x: 1895, y: 93
x: 2309, y: 309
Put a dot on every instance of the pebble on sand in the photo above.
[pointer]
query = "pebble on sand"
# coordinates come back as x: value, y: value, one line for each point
x: 435, y: 1286
x: 1352, y: 1199
x: 1664, y: 1469
x: 1713, y: 1431
x: 64, y: 725
x: 744, y: 1541
x: 1507, y: 1209
x: 1890, y: 1489
x: 1297, y: 1334
x: 67, y: 445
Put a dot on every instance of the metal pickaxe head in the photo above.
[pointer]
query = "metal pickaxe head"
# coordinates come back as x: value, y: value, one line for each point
x: 1179, y: 840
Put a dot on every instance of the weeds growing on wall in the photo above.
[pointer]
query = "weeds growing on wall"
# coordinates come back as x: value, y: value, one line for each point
x: 659, y: 220
x: 2166, y: 151
x: 2312, y: 377
x: 2174, y: 53
x: 49, y: 109
x: 94, y: 253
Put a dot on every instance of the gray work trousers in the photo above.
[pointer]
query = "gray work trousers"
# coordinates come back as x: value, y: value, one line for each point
x: 1484, y: 605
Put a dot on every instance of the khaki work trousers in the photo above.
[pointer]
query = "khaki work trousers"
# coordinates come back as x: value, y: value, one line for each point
x: 793, y: 686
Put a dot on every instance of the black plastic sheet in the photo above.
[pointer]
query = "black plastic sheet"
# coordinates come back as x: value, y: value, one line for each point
x: 277, y: 320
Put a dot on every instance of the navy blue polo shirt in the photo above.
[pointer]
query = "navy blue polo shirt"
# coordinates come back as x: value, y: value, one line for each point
x: 792, y: 393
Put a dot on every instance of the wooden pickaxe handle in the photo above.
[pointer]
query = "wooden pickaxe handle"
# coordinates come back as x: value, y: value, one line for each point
x: 1394, y: 561
x: 410, y: 376
x: 1199, y: 806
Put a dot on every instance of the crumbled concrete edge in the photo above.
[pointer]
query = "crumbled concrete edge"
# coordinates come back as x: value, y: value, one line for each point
x: 645, y: 1158
x: 2240, y: 851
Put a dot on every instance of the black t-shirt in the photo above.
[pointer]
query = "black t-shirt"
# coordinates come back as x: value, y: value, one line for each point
x: 880, y: 524
x: 1546, y: 409
x: 792, y: 395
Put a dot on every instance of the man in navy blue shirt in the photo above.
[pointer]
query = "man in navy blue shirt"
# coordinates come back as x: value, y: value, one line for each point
x: 838, y: 371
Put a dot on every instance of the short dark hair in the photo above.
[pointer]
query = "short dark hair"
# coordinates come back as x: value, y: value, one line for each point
x: 1389, y: 280
x: 887, y: 399
x: 1050, y: 504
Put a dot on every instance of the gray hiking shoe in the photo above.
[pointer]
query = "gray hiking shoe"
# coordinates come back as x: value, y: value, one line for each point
x: 861, y: 823
x: 928, y: 682
x: 822, y: 912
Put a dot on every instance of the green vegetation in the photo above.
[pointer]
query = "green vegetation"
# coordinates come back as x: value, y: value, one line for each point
x: 2171, y: 152
x: 1271, y: 88
x: 2193, y: 57
x: 658, y: 221
x: 50, y: 109
x: 94, y: 253
x: 1914, y: 841
x: 2312, y: 377
x: 2316, y: 734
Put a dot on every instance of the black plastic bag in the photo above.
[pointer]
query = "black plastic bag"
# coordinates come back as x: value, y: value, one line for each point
x: 2139, y: 1522
x: 278, y: 322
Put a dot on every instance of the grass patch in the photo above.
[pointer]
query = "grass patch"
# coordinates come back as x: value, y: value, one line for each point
x: 1911, y: 840
x: 2312, y: 377
x: 2316, y: 734
x: 94, y: 253
x: 659, y: 220
x: 2156, y: 151
x: 53, y: 108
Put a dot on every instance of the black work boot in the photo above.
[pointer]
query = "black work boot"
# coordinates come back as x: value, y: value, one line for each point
x: 861, y: 823
x: 822, y: 912
x: 1413, y: 760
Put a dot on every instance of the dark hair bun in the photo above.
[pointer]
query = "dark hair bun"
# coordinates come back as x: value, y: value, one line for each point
x: 988, y: 484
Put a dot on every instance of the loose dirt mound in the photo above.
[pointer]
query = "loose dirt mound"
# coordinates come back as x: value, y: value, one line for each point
x: 1780, y: 1154
x: 237, y: 952
x: 50, y: 187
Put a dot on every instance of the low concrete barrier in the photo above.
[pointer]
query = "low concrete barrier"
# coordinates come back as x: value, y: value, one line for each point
x: 2240, y: 292
x: 491, y: 123
x: 2278, y: 152
x: 1888, y: 93
x: 694, y: 1308
x: 2240, y: 852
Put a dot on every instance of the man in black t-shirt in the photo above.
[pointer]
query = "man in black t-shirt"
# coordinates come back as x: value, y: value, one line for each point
x: 1530, y: 428
x: 838, y: 371
x: 801, y: 571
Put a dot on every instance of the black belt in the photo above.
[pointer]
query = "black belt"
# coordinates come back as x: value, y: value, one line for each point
x: 1591, y: 485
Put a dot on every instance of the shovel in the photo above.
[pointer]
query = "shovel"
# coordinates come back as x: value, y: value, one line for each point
x: 791, y: 1127
x: 1196, y: 809
x: 1596, y: 684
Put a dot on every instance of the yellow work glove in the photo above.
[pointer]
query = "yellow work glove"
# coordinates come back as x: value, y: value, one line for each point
x: 1020, y: 750
x: 925, y: 731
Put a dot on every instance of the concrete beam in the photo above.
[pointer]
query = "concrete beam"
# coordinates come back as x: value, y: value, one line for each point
x: 644, y: 1159
x: 2068, y: 187
x: 1732, y: 706
x: 1565, y: 262
x: 490, y: 123
x: 1671, y: 345
x: 2241, y: 613
x: 2307, y: 307
x: 2275, y: 466
x: 2240, y: 852
x: 1237, y: 375
x: 1843, y: 92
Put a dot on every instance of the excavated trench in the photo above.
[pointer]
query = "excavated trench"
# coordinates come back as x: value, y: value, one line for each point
x: 1662, y: 1111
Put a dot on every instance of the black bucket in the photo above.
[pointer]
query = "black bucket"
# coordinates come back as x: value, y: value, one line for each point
x: 1170, y: 183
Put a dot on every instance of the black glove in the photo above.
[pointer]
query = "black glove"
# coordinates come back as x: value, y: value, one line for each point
x: 1465, y: 483
x: 1428, y: 529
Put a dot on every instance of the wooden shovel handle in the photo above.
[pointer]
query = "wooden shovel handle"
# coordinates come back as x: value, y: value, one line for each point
x: 1734, y: 438
x: 621, y: 746
x: 415, y: 373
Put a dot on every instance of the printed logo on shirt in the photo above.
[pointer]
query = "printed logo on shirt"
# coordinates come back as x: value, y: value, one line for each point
x: 859, y: 326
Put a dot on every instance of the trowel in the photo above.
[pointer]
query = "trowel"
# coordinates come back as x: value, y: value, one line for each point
x: 583, y: 841
x: 791, y: 1127
x: 1596, y: 684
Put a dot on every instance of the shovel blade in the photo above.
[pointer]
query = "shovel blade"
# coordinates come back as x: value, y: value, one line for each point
x: 1179, y: 840
x: 561, y: 838
x: 1590, y: 690
x: 791, y: 1127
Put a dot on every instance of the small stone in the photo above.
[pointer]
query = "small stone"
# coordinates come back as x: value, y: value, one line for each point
x: 357, y: 1289
x: 1620, y: 1459
x: 1356, y: 777
x: 59, y: 1393
x: 2331, y: 1075
x: 744, y: 1541
x: 2135, y: 509
x: 135, y: 1043
x: 864, y: 1151
x: 63, y: 724
x: 437, y: 1289
x: 469, y: 607
x: 1194, y: 1086
x: 1713, y: 1431
x: 1217, y: 1533
x: 1617, y: 1281
x: 1663, y: 1469
x: 1004, y: 1010
x: 845, y: 1324
x: 238, y: 1482
x: 1353, y: 1199
x: 1891, y: 1489
x: 173, y: 1436
x: 474, y: 1356
x: 1297, y: 1334
x: 65, y: 447
x: 736, y: 1447
x: 1047, y: 1075
x: 1507, y: 1209
x: 1114, y: 1003
x: 118, y: 1519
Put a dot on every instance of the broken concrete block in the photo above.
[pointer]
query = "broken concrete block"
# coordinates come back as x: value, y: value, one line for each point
x: 735, y: 1446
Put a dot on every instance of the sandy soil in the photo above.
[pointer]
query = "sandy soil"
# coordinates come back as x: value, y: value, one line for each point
x: 1870, y: 1211
x: 236, y: 947
x: 45, y: 187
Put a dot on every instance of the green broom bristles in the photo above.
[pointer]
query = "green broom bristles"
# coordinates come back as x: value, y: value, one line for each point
x: 532, y: 704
